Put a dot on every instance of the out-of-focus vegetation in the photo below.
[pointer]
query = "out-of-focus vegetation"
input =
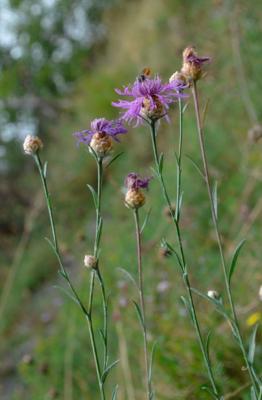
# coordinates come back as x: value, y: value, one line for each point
x: 59, y: 74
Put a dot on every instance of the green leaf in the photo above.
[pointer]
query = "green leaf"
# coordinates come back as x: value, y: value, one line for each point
x: 160, y: 162
x: 94, y: 194
x: 252, y: 345
x: 114, y: 159
x: 151, y: 361
x: 210, y: 391
x: 45, y: 169
x: 207, y: 344
x: 214, y: 197
x: 146, y: 220
x: 139, y: 314
x: 129, y: 276
x: 196, y: 167
x: 107, y: 370
x: 234, y: 260
x: 115, y: 393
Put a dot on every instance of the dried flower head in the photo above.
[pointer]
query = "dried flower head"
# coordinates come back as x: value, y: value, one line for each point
x: 192, y: 67
x: 32, y: 144
x: 100, y: 136
x: 150, y: 98
x: 213, y: 294
x: 135, y: 198
x: 90, y: 261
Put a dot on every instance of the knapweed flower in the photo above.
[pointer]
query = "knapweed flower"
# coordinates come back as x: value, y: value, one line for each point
x: 32, y: 144
x: 192, y: 67
x: 90, y: 261
x: 150, y: 99
x: 100, y: 136
x: 134, y: 197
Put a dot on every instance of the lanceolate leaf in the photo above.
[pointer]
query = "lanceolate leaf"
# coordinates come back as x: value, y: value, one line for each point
x: 139, y: 314
x: 114, y: 159
x: 115, y: 393
x: 214, y: 196
x: 107, y: 370
x: 252, y: 345
x: 151, y: 361
x: 93, y: 192
x: 234, y: 260
x: 161, y: 161
x: 145, y: 221
x: 129, y: 276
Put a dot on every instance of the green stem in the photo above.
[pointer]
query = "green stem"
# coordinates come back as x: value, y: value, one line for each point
x: 142, y: 301
x: 184, y: 265
x: 87, y: 313
x: 218, y: 236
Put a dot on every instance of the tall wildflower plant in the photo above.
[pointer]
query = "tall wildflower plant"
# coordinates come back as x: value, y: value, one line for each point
x: 148, y: 100
x: 99, y: 141
x: 193, y: 70
x: 135, y: 199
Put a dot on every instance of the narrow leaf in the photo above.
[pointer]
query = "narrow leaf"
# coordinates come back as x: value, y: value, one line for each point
x: 145, y: 221
x: 129, y: 276
x: 45, y: 169
x: 253, y: 393
x: 207, y: 344
x: 114, y: 159
x: 160, y: 162
x: 93, y: 192
x: 187, y: 307
x: 107, y: 370
x: 234, y: 259
x: 63, y: 290
x: 210, y: 391
x: 196, y: 167
x: 214, y: 197
x: 252, y: 345
x: 151, y: 361
x: 139, y: 314
x: 114, y: 395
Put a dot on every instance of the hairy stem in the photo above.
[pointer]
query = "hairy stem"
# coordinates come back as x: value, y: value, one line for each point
x: 142, y: 302
x: 218, y: 236
x: 175, y: 218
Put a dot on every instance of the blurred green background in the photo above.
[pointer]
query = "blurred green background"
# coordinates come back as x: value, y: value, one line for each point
x: 60, y: 61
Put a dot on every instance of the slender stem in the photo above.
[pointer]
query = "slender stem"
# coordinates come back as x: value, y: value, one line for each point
x: 182, y: 253
x: 179, y: 170
x: 87, y: 313
x: 142, y: 301
x: 218, y: 236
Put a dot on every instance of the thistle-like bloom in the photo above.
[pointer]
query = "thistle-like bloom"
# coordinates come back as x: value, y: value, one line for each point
x: 100, y: 136
x: 149, y: 99
x: 32, y: 144
x: 192, y: 67
x: 135, y: 198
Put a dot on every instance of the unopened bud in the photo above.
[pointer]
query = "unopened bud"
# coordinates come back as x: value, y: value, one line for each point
x: 32, y: 144
x: 101, y: 143
x: 213, y: 294
x: 135, y: 198
x: 90, y: 261
x: 177, y: 76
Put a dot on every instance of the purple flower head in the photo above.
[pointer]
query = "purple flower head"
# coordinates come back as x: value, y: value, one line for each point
x: 102, y: 126
x: 149, y: 99
x: 135, y: 181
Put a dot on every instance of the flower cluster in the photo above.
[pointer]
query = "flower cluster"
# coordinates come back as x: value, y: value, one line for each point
x: 100, y: 136
x: 150, y: 98
x: 135, y: 198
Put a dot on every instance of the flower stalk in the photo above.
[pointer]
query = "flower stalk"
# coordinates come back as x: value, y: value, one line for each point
x: 175, y: 218
x: 142, y: 302
x: 236, y: 327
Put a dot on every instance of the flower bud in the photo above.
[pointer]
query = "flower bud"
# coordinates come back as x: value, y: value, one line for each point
x: 101, y: 143
x: 90, y: 261
x: 178, y: 76
x: 192, y: 67
x: 213, y: 294
x: 135, y: 198
x: 32, y: 144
